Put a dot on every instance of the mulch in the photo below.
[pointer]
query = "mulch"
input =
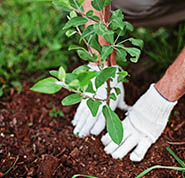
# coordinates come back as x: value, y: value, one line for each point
x: 47, y: 148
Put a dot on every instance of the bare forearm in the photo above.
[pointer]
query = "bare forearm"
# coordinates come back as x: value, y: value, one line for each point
x: 172, y: 84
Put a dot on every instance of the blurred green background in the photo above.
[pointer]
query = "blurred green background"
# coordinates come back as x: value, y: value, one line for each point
x: 32, y: 40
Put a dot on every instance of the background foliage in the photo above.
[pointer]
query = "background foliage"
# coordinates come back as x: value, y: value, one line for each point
x: 162, y: 45
x: 31, y: 39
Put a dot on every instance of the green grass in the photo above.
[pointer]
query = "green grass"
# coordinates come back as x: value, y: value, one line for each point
x: 31, y: 39
x: 182, y: 169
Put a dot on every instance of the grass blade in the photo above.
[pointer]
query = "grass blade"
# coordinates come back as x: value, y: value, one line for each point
x: 11, y: 166
x: 160, y: 167
x: 176, y: 157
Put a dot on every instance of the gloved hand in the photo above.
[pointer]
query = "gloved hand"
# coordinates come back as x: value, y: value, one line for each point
x: 143, y: 125
x: 83, y: 120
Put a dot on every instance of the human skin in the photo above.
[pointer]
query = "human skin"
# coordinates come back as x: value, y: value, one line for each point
x: 172, y: 84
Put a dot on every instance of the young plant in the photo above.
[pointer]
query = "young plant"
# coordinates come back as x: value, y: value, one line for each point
x: 55, y: 113
x: 80, y: 80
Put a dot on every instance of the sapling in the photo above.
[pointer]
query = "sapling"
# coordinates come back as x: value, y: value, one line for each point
x: 83, y: 81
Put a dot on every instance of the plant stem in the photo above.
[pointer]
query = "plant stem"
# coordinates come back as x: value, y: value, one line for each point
x: 80, y: 93
x: 107, y: 10
x: 108, y: 85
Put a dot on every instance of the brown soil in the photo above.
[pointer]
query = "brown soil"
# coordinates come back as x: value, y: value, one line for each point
x: 47, y: 148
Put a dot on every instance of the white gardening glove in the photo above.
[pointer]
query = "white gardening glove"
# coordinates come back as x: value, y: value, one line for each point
x: 83, y: 120
x: 143, y: 125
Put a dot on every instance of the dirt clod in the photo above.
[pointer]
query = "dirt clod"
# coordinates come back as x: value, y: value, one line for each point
x: 47, y: 165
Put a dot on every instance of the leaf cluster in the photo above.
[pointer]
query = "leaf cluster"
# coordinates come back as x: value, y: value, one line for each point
x: 31, y: 39
x: 80, y: 80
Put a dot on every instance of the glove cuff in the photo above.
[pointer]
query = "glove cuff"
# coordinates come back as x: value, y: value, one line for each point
x: 159, y: 105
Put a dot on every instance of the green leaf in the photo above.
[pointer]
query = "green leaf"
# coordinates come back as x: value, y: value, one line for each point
x: 117, y: 90
x: 107, y: 2
x: 80, y: 69
x: 71, y: 99
x: 121, y: 54
x: 75, y: 47
x: 96, y: 18
x: 109, y: 36
x: 62, y: 4
x: 134, y: 53
x: 73, y: 14
x: 74, y: 22
x: 48, y: 85
x: 113, y: 97
x: 61, y: 74
x: 85, y: 77
x: 90, y: 88
x: 100, y: 29
x: 98, y: 4
x: 54, y: 73
x: 70, y: 32
x: 85, y: 55
x: 128, y: 26
x: 77, y: 4
x: 81, y: 1
x: 116, y: 20
x: 103, y: 76
x: 94, y: 43
x: 87, y: 32
x: 93, y: 106
x: 75, y: 84
x: 122, y: 75
x: 136, y: 42
x: 106, y: 51
x: 70, y: 77
x: 90, y: 13
x: 114, y: 125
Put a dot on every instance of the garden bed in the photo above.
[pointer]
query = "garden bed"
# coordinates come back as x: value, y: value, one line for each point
x: 47, y: 148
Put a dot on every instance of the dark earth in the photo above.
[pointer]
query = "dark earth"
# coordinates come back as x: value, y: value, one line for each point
x: 46, y: 147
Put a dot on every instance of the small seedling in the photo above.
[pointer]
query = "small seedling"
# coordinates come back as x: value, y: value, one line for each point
x: 80, y: 80
x: 55, y: 113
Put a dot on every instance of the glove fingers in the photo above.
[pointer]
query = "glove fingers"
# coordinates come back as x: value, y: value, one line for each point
x: 106, y: 139
x: 99, y: 125
x: 89, y: 123
x: 141, y: 149
x: 78, y: 113
x: 81, y: 122
x: 111, y: 147
x: 123, y: 149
